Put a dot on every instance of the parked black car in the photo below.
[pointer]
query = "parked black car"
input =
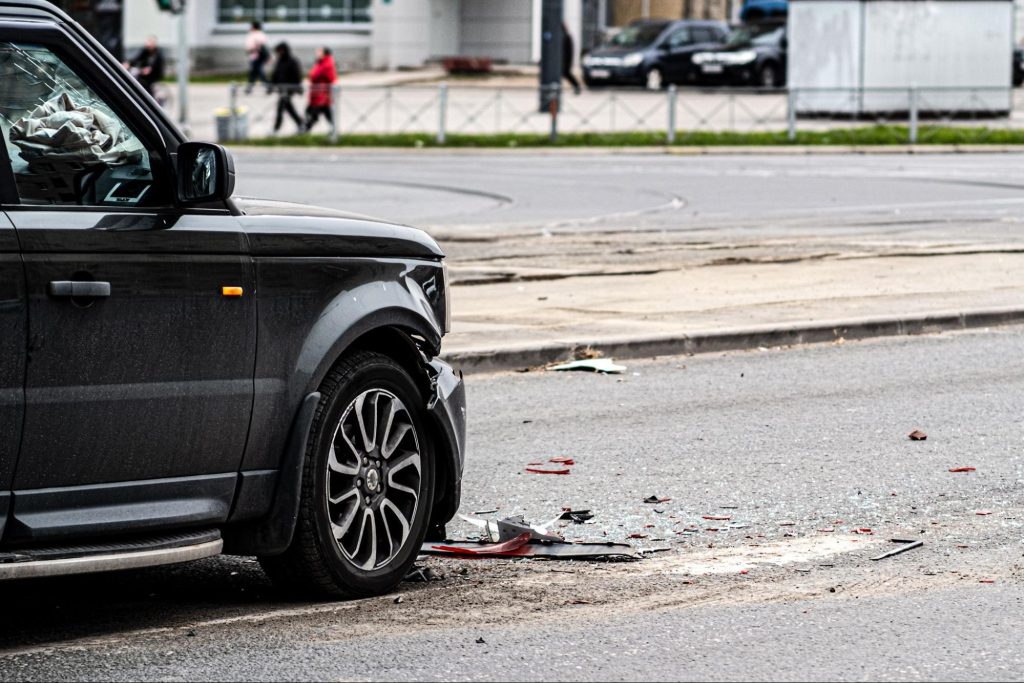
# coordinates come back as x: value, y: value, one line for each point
x: 753, y: 55
x: 183, y: 373
x: 1018, y: 67
x: 654, y: 53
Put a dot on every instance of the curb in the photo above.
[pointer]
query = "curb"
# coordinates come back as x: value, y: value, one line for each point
x: 732, y: 339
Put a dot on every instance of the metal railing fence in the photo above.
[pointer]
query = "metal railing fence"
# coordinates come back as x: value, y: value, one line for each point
x: 674, y: 115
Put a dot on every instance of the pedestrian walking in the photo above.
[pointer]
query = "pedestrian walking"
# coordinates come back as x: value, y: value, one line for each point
x: 259, y: 55
x: 148, y: 65
x: 322, y: 78
x: 568, y: 56
x: 287, y: 82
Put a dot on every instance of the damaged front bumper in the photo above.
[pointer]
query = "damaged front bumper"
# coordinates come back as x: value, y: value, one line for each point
x: 446, y: 406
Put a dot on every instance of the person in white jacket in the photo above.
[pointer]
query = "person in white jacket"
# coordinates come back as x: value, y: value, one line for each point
x: 259, y: 55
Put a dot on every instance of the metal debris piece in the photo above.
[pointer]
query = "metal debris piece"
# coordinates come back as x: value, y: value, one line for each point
x: 506, y: 548
x: 604, y: 365
x: 538, y: 470
x: 534, y: 549
x: 486, y: 512
x: 904, y: 547
x: 656, y: 499
x: 717, y: 518
x: 513, y: 527
x: 963, y: 469
x: 577, y: 516
x: 917, y: 435
x: 421, y: 574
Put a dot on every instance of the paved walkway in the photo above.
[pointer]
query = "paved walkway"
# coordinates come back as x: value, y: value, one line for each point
x: 523, y: 323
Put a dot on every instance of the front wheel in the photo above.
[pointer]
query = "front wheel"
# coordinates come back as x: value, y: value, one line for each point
x: 367, y: 487
x: 769, y: 76
x: 655, y: 79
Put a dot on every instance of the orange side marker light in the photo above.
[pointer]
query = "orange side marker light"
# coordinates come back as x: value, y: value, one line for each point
x: 231, y: 291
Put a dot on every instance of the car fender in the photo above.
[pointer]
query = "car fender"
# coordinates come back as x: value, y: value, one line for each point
x: 356, y: 312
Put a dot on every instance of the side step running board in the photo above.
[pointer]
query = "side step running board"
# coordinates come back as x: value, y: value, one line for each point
x: 113, y: 558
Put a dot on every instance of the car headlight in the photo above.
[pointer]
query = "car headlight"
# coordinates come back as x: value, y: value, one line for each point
x: 701, y: 57
x: 744, y: 57
x: 588, y: 60
x: 447, y: 297
x: 634, y: 59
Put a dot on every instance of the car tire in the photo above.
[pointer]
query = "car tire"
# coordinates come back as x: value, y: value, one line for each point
x: 768, y: 76
x: 655, y: 79
x: 366, y: 494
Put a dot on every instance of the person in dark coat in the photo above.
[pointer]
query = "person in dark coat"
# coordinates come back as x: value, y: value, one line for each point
x: 287, y: 81
x: 148, y: 65
x: 322, y: 78
x: 568, y: 56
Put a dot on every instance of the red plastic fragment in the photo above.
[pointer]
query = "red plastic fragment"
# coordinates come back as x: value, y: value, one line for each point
x: 986, y: 581
x: 963, y: 469
x: 536, y: 470
x: 562, y: 460
x: 863, y: 530
x: 509, y: 546
x: 744, y: 571
x: 917, y: 435
x: 983, y: 512
x: 637, y: 536
x: 717, y: 518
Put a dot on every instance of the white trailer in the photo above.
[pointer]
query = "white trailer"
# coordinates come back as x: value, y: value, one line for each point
x: 871, y: 57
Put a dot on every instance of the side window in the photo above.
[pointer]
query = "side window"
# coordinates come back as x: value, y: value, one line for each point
x: 66, y: 145
x: 703, y: 35
x: 680, y: 38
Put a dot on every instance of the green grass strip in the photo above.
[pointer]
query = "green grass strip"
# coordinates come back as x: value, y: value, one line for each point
x: 864, y: 135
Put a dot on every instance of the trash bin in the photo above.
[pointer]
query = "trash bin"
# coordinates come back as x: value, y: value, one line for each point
x: 223, y: 117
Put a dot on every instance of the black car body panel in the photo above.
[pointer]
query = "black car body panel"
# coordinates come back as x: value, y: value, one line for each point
x: 159, y: 357
x: 654, y: 45
x: 744, y: 58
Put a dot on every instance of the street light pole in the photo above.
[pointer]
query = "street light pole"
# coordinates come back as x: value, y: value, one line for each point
x: 183, y: 70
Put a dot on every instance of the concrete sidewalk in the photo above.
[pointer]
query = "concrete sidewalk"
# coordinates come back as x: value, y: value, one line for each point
x: 517, y: 324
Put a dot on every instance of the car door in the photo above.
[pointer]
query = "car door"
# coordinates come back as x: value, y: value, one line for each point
x: 141, y: 332
x: 12, y: 344
x: 676, y: 53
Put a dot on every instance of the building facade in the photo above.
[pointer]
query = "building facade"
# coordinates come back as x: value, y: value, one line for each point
x: 377, y: 34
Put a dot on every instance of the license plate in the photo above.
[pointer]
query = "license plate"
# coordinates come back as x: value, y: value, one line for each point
x: 711, y: 68
x: 600, y: 73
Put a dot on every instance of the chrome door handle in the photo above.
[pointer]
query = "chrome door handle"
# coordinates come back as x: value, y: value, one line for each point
x: 79, y: 289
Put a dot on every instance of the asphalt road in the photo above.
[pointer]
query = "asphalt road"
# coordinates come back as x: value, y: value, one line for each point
x: 961, y: 197
x: 799, y: 447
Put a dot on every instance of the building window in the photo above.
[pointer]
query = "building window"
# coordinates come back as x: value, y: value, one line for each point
x: 294, y: 11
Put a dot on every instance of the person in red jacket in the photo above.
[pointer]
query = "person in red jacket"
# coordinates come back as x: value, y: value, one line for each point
x: 322, y: 78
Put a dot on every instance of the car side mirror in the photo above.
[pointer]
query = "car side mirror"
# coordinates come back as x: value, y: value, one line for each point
x: 206, y: 173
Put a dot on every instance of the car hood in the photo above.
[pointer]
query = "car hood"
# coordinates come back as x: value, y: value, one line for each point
x: 276, y: 228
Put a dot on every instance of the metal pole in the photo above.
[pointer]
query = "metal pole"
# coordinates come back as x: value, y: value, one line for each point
x: 912, y: 101
x: 673, y: 93
x: 233, y: 113
x: 183, y: 71
x: 336, y: 107
x: 791, y: 114
x: 552, y: 12
x: 442, y: 113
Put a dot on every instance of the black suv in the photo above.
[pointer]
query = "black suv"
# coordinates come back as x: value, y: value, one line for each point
x: 653, y: 53
x: 183, y: 373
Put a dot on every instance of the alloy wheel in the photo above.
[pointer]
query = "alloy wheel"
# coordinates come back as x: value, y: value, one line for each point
x: 374, y: 479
